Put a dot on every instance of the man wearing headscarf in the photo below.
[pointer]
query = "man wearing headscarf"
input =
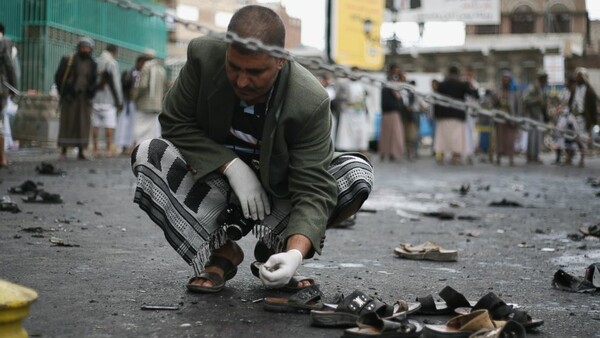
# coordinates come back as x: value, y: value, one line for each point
x: 75, y: 79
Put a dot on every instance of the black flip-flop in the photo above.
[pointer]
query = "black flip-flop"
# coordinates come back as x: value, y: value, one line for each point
x: 349, y: 309
x: 24, y: 188
x: 41, y: 196
x: 499, y: 310
x: 303, y: 301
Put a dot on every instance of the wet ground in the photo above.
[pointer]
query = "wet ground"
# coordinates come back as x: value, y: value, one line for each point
x: 97, y: 259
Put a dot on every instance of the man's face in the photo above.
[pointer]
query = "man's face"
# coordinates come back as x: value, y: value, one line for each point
x: 579, y: 78
x: 84, y: 50
x: 252, y: 75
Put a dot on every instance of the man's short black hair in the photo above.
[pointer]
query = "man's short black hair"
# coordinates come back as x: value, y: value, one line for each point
x: 111, y: 48
x: 453, y: 70
x: 257, y: 22
x: 1, y: 28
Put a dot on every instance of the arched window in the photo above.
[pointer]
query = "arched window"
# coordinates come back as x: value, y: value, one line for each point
x: 522, y: 20
x: 558, y: 20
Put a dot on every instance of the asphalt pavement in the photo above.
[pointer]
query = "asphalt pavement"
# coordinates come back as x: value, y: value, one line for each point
x: 97, y: 259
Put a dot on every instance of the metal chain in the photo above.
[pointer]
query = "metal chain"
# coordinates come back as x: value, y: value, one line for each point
x: 472, y: 108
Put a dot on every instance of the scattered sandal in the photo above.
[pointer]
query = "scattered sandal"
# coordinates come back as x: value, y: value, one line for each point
x: 464, y: 325
x: 349, y: 309
x: 41, y: 196
x: 593, y: 230
x: 499, y: 310
x: 589, y: 283
x: 25, y: 187
x: 303, y: 301
x: 426, y: 251
x: 452, y: 300
x: 46, y: 168
x: 229, y: 269
x: 371, y: 325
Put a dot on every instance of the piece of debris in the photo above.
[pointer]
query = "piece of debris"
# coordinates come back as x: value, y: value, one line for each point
x: 576, y: 237
x: 7, y: 205
x: 547, y: 249
x: 160, y: 307
x: 443, y: 215
x: 60, y: 242
x: 505, y: 203
x: 468, y: 218
x: 464, y: 189
x: 525, y: 245
x: 457, y: 204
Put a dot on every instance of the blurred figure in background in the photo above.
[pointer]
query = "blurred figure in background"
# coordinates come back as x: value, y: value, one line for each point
x: 108, y: 99
x: 391, y: 139
x: 152, y: 88
x: 508, y: 101
x: 535, y: 103
x: 353, y: 123
x: 450, y: 122
x: 75, y: 80
x: 585, y: 113
x: 130, y: 81
x: 471, y: 135
x: 8, y: 74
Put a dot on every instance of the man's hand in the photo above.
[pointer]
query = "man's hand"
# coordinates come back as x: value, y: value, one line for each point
x: 280, y: 268
x: 247, y: 187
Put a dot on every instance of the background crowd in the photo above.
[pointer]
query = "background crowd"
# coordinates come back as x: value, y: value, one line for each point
x: 95, y: 94
x: 457, y: 136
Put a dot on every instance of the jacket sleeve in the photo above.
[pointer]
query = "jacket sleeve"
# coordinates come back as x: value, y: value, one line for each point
x: 116, y: 75
x: 179, y: 124
x: 11, y: 76
x: 59, y: 73
x: 313, y: 190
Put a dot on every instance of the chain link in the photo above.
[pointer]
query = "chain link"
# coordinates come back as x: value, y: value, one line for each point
x: 341, y: 71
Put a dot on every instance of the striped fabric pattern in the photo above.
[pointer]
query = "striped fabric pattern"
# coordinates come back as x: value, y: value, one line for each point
x: 186, y: 208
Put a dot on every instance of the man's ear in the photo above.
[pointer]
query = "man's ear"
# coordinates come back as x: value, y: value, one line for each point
x: 280, y: 63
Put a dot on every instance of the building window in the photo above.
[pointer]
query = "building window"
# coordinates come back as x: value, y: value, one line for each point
x: 522, y: 20
x: 558, y: 20
x: 487, y: 29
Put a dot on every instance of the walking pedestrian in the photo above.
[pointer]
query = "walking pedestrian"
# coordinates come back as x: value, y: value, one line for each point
x: 8, y: 74
x: 535, y: 104
x: 391, y: 138
x: 75, y: 80
x: 585, y: 113
x: 247, y: 145
x: 353, y: 122
x: 130, y: 82
x: 152, y: 87
x: 108, y: 99
x: 450, y: 122
x: 508, y: 101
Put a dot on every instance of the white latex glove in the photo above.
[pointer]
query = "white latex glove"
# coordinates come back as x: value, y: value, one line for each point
x: 247, y: 187
x: 280, y: 268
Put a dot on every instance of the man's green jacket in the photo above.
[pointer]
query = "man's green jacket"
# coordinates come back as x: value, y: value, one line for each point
x: 296, y: 148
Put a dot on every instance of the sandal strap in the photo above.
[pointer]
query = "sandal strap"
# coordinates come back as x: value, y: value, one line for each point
x: 306, y: 295
x: 427, y: 303
x: 453, y: 298
x: 215, y: 278
x: 360, y: 303
x: 372, y: 320
x: 497, y: 308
